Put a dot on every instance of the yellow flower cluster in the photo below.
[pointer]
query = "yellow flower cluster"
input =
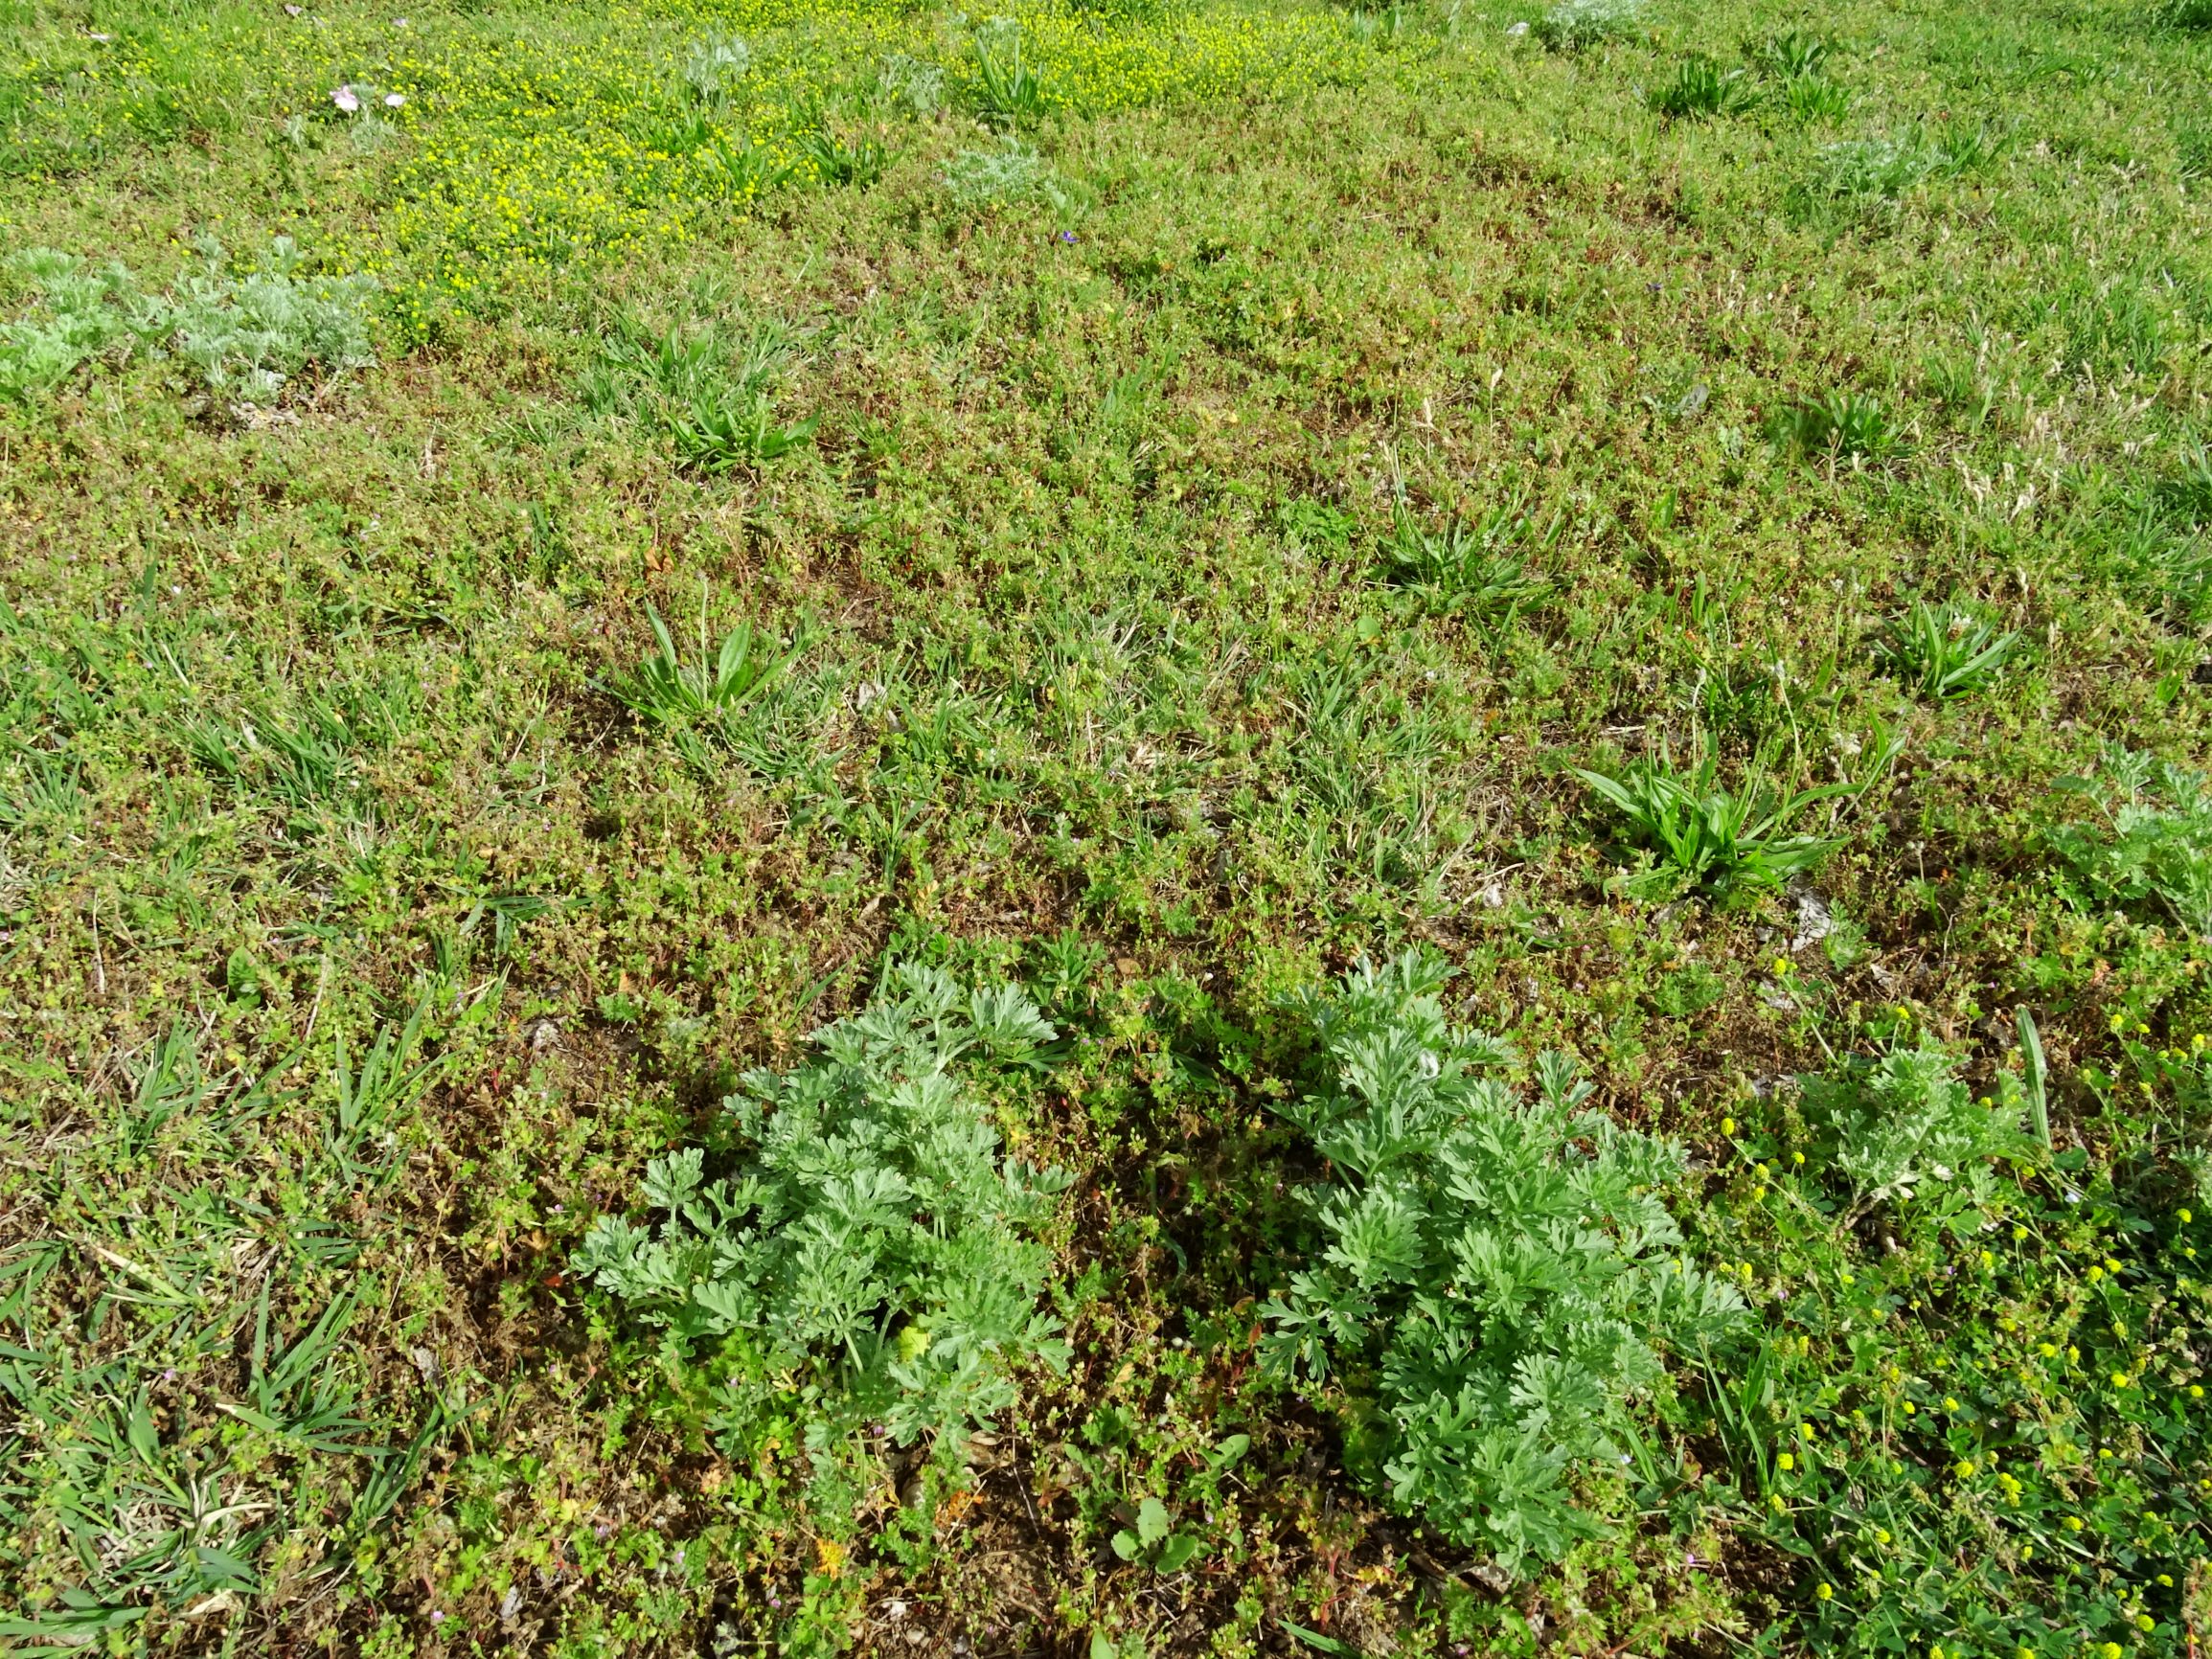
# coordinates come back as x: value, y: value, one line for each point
x: 535, y: 153
x: 495, y: 151
x: 1090, y: 68
x: 77, y: 99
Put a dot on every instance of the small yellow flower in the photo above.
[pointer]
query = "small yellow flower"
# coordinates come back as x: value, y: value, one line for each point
x: 1728, y: 1128
x: 1965, y: 1468
x: 1785, y: 1463
x: 1949, y: 1403
x: 1822, y: 1592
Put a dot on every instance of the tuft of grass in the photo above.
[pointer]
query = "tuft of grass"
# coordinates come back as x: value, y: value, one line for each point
x: 2193, y: 149
x: 854, y: 164
x: 710, y: 394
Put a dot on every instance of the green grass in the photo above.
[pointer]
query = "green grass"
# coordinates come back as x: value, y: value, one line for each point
x: 1042, y: 545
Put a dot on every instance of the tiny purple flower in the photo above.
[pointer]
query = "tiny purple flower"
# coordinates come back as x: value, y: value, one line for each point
x: 1067, y: 236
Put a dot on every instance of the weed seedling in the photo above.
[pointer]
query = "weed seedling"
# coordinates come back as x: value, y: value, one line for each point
x: 835, y: 162
x: 1155, y: 1541
x: 1726, y: 841
x: 671, y: 692
x: 1702, y: 89
x: 1466, y: 568
x: 1945, y: 650
x: 1007, y: 90
x: 1848, y: 424
x: 1810, y: 98
x: 1793, y: 54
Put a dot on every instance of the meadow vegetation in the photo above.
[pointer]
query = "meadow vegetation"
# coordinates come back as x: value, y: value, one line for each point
x: 1143, y: 827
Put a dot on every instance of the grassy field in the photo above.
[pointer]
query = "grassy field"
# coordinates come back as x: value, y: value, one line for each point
x: 1146, y: 828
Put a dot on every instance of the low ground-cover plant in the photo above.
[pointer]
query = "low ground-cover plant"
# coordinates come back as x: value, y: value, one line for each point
x: 1975, y: 1412
x: 1500, y: 1275
x: 873, y: 1236
x: 1009, y: 174
x: 2155, y: 843
x: 241, y: 337
x: 1571, y: 25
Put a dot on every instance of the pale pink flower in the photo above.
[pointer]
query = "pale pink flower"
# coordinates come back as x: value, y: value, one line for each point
x: 392, y: 101
x: 346, y: 100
